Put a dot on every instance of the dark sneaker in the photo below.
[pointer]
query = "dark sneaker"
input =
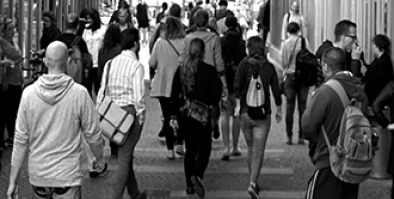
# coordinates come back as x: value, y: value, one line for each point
x: 226, y: 157
x: 142, y: 195
x: 236, y: 153
x: 253, y: 191
x: 95, y: 174
x: 198, y: 186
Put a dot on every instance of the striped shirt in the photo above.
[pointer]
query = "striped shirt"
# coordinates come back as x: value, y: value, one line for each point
x: 125, y: 82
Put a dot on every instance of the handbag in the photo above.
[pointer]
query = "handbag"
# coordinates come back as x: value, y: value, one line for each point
x: 198, y: 111
x: 114, y: 121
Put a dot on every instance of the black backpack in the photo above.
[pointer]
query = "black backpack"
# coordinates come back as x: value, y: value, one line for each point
x: 307, y: 66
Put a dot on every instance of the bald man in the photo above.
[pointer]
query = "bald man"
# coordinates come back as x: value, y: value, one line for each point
x: 52, y: 114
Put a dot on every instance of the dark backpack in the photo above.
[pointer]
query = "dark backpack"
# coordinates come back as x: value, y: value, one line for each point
x: 307, y: 66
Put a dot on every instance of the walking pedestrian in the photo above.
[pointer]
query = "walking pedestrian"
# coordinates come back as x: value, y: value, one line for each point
x: 70, y: 35
x: 122, y: 20
x: 125, y: 75
x: 122, y: 5
x: 164, y: 60
x: 256, y: 128
x: 94, y: 35
x: 293, y: 89
x: 294, y: 15
x: 143, y: 20
x: 234, y: 51
x: 326, y: 110
x: 54, y: 147
x: 198, y: 83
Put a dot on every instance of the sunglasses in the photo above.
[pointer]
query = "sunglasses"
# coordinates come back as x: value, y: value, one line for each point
x: 354, y: 37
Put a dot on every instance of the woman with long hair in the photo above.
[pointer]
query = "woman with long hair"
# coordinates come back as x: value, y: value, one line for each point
x: 164, y: 60
x: 256, y: 123
x: 93, y: 36
x: 11, y: 81
x: 110, y: 48
x: 50, y: 31
x: 196, y: 83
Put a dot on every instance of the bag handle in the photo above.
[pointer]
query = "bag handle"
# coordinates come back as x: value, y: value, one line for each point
x: 338, y: 88
x: 173, y: 47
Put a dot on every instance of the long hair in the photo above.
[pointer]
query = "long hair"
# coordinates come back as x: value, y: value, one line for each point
x: 95, y: 15
x: 111, y: 37
x: 189, y: 68
x: 173, y: 29
x: 51, y: 16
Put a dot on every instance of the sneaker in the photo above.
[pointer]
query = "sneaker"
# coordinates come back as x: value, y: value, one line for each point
x: 198, y: 186
x: 236, y: 153
x: 180, y: 150
x: 95, y: 174
x: 170, y: 154
x: 289, y: 140
x: 253, y: 191
x: 142, y: 195
x: 226, y: 157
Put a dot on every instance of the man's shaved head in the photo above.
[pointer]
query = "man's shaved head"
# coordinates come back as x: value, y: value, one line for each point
x: 335, y: 58
x: 56, y: 56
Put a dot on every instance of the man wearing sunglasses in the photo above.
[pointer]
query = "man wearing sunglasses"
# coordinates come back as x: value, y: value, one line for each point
x: 346, y: 39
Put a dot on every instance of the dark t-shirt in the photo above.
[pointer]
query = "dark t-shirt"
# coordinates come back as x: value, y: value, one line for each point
x: 68, y: 38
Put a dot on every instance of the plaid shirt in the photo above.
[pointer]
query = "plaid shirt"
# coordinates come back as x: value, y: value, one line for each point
x: 125, y: 82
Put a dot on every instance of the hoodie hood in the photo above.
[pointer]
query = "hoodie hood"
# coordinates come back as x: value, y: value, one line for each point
x: 52, y: 88
x: 206, y: 35
x: 352, y: 85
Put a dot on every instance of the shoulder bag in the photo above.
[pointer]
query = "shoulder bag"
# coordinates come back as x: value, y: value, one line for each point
x: 115, y: 122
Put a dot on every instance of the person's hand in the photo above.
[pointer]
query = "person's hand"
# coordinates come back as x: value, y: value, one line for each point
x: 356, y: 52
x: 390, y: 127
x: 225, y: 94
x: 237, y: 110
x: 12, y: 191
x: 174, y: 124
x: 141, y: 118
x: 278, y: 117
x: 6, y: 63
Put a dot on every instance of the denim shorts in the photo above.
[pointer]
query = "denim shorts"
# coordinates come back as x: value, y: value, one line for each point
x: 57, y: 192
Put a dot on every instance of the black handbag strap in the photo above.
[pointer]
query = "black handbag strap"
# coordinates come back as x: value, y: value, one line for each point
x: 76, y: 41
x: 173, y: 47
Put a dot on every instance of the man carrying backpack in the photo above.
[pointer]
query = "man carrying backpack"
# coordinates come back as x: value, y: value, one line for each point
x: 233, y: 52
x: 325, y: 112
x: 79, y: 53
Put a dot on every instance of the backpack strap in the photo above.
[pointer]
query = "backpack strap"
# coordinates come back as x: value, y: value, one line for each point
x: 338, y: 88
x: 77, y: 39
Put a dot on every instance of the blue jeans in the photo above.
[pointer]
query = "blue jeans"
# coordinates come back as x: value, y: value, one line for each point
x: 256, y: 134
x: 57, y: 192
x: 294, y: 91
x: 125, y: 176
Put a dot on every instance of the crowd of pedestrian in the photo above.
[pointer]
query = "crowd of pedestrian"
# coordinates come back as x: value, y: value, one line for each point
x: 209, y: 79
